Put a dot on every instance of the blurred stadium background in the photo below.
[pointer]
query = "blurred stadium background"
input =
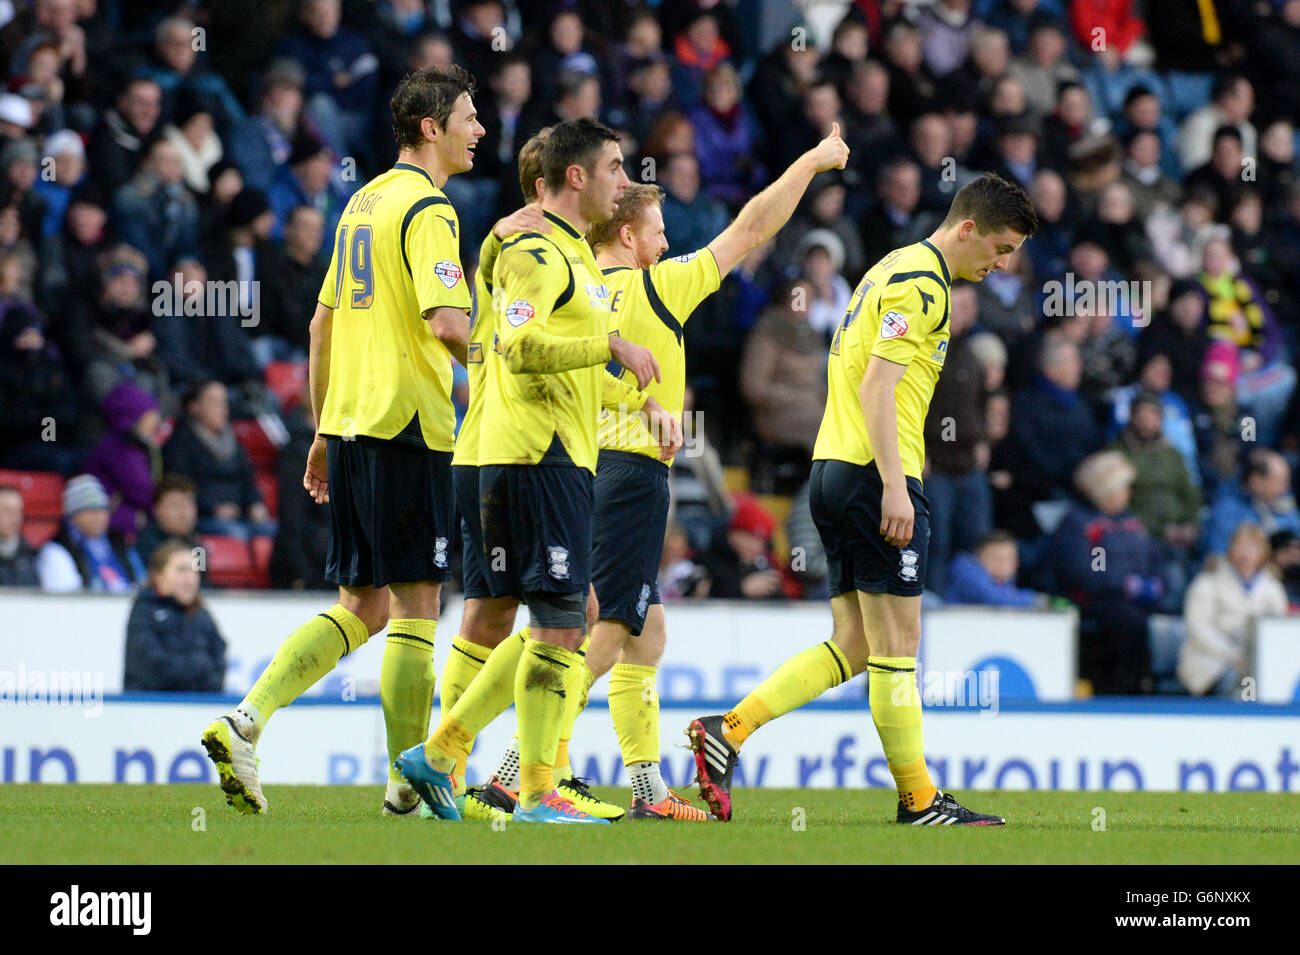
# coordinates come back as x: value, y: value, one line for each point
x: 1116, y: 407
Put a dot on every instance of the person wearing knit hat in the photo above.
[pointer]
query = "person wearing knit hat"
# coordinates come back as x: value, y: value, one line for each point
x: 739, y: 557
x: 86, y: 555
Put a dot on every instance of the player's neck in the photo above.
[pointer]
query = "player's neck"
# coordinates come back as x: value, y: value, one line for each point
x: 945, y: 240
x: 427, y: 160
x: 614, y: 256
x: 567, y: 204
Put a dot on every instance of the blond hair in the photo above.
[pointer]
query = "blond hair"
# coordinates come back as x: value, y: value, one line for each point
x: 636, y: 199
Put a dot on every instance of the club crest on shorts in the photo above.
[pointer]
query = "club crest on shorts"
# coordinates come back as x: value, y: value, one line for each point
x: 440, y: 552
x: 893, y: 325
x: 518, y: 312
x: 643, y: 600
x: 558, y: 558
x: 907, y: 561
x: 448, y: 272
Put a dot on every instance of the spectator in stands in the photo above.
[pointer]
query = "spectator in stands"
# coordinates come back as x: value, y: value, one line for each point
x: 307, y: 179
x: 341, y: 76
x: 123, y: 344
x: 783, y: 373
x: 898, y: 218
x: 824, y: 209
x: 1106, y: 563
x: 1221, y: 606
x: 263, y: 142
x: 726, y: 139
x: 175, y: 515
x: 176, y: 69
x: 649, y: 96
x: 1178, y: 236
x: 126, y: 133
x: 1164, y: 497
x: 1050, y: 250
x: 18, y: 161
x: 850, y: 43
x: 204, y: 448
x: 86, y: 555
x: 1052, y: 428
x: 1008, y: 306
x: 293, y: 273
x: 957, y: 451
x: 155, y: 213
x: 1278, y: 171
x: 820, y: 255
x: 988, y: 577
x: 739, y: 559
x: 298, y: 560
x: 196, y: 142
x: 691, y: 218
x: 1016, y: 149
x: 68, y: 266
x: 172, y: 642
x: 69, y: 154
x: 1218, y: 422
x: 679, y: 575
x: 930, y: 140
x: 1144, y: 175
x: 1044, y: 66
x: 17, y: 558
x: 126, y: 459
x: 1222, y: 173
x: 1263, y: 497
x: 41, y: 406
x: 1232, y: 102
x: 697, y: 49
x: 871, y: 132
x: 1178, y: 332
x: 1285, y: 547
x: 946, y: 27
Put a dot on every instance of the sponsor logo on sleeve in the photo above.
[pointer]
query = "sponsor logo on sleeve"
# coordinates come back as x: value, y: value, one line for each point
x: 893, y: 325
x: 518, y: 312
x: 448, y: 272
x: 685, y: 258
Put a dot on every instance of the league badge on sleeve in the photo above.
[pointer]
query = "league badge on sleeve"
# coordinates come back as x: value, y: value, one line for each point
x: 518, y: 312
x: 448, y: 272
x: 893, y: 325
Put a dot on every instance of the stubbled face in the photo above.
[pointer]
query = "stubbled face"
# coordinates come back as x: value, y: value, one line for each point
x: 604, y: 184
x: 456, y: 143
x: 982, y: 255
x: 649, y: 240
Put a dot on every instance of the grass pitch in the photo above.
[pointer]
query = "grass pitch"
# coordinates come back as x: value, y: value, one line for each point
x: 78, y: 824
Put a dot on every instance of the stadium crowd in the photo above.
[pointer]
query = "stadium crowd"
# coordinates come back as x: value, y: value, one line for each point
x: 1124, y: 392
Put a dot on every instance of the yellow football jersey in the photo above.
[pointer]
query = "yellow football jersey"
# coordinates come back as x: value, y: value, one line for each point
x: 396, y: 255
x: 649, y: 307
x: 898, y: 312
x: 482, y: 324
x: 547, y: 285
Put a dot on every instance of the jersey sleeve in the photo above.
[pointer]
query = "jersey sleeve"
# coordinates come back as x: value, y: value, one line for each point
x: 909, y: 311
x: 531, y: 276
x: 433, y: 254
x: 683, y: 282
x: 616, y: 393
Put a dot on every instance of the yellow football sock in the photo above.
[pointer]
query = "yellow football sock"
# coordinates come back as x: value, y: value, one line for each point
x: 463, y: 665
x: 896, y: 711
x: 801, y: 679
x: 634, y: 708
x: 406, y: 681
x: 577, y: 685
x: 306, y: 655
x: 487, y: 697
x: 540, y: 699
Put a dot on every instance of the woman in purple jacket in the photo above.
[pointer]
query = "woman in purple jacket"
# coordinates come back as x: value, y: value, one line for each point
x: 127, y: 460
x: 726, y: 139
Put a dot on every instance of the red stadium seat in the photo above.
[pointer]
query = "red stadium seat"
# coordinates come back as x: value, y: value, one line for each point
x: 256, y: 444
x: 42, y: 491
x: 262, y: 547
x: 286, y: 379
x: 230, y: 562
x: 41, y: 529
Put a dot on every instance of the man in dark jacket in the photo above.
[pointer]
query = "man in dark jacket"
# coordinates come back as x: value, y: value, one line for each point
x: 739, y: 558
x: 956, y: 449
x: 17, y: 559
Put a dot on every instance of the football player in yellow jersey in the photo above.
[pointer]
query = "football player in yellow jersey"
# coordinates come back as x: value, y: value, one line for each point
x: 869, y: 505
x: 651, y: 301
x: 537, y: 456
x: 392, y: 312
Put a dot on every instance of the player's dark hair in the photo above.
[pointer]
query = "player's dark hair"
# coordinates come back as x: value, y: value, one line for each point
x: 635, y: 200
x: 432, y: 93
x: 575, y: 142
x: 995, y: 204
x: 530, y: 163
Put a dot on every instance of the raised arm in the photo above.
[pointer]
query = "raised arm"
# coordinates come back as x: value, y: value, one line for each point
x: 764, y: 215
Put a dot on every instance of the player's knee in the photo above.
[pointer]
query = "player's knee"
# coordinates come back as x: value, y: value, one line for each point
x: 550, y: 611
